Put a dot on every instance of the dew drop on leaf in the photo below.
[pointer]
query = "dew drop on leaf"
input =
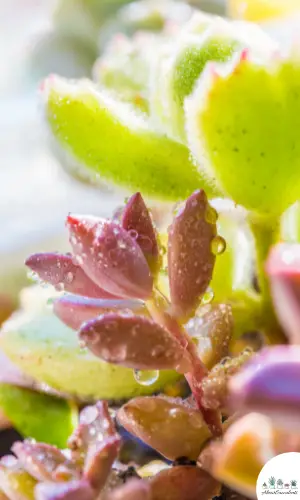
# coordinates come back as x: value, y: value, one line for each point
x: 146, y: 377
x: 218, y: 245
x: 207, y: 297
x: 211, y: 215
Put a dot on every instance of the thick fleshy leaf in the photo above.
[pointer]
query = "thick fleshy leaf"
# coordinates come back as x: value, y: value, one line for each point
x: 137, y: 221
x: 47, y: 350
x: 95, y: 425
x: 60, y: 271
x: 239, y: 150
x: 167, y: 425
x: 74, y: 310
x: 134, y: 342
x: 270, y: 385
x: 190, y: 253
x: 283, y: 268
x: 134, y: 489
x: 97, y: 131
x: 74, y: 490
x: 110, y: 257
x: 244, y: 450
x: 99, y: 461
x: 215, y: 385
x: 39, y: 416
x: 183, y: 483
x: 14, y: 481
x: 211, y: 331
x: 42, y: 461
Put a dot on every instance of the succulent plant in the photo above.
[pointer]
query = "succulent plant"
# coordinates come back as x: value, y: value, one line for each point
x: 159, y: 320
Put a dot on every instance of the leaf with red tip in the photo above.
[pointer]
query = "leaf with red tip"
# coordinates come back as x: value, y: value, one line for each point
x: 74, y: 310
x: 190, y: 257
x: 270, y: 385
x: 99, y: 461
x: 74, y: 490
x: 95, y: 425
x: 137, y: 221
x: 135, y: 342
x: 110, y: 257
x: 215, y: 385
x: 42, y: 461
x: 134, y: 489
x: 283, y: 268
x: 167, y: 425
x: 183, y: 483
x: 60, y: 271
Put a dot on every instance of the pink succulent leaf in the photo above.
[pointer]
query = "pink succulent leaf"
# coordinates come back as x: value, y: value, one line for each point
x: 74, y: 310
x: 183, y: 483
x: 60, y: 271
x: 99, y: 460
x: 42, y: 460
x: 269, y: 384
x: 110, y: 257
x: 137, y: 221
x: 95, y: 425
x: 134, y: 342
x: 135, y: 489
x: 283, y: 268
x: 73, y: 490
x: 190, y: 257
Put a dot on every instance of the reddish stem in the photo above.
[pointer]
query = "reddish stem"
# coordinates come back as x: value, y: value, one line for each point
x: 158, y: 308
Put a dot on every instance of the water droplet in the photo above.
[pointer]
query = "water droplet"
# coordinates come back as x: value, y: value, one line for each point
x: 211, y: 215
x: 134, y: 234
x: 69, y: 277
x: 207, y: 297
x: 59, y: 287
x: 146, y: 377
x: 218, y: 245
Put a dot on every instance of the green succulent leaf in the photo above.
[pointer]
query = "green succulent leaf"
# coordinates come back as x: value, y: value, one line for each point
x: 16, y: 483
x: 116, y: 144
x: 252, y: 147
x: 47, y: 350
x: 38, y: 416
x: 290, y: 224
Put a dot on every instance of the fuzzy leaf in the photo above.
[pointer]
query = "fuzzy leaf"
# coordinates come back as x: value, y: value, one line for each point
x: 166, y: 425
x: 74, y: 310
x: 108, y: 255
x: 74, y: 490
x: 61, y: 272
x: 14, y: 481
x: 270, y: 385
x: 212, y: 332
x: 43, y: 347
x: 99, y: 461
x: 190, y: 256
x: 137, y: 221
x: 97, y: 131
x: 39, y: 416
x: 283, y: 268
x: 183, y: 483
x: 254, y: 139
x: 134, y: 342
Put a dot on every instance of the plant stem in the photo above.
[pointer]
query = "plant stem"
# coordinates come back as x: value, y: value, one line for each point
x: 266, y: 234
x: 158, y: 307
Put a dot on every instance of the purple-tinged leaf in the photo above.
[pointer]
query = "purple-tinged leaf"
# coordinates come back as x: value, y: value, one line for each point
x: 60, y: 271
x: 42, y: 461
x: 135, y: 489
x: 74, y: 310
x: 190, y: 255
x: 137, y: 221
x: 110, y: 257
x: 183, y: 483
x: 73, y: 490
x: 99, y: 460
x: 134, y: 342
x: 270, y: 384
x: 283, y: 268
x: 95, y: 425
x: 172, y: 428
